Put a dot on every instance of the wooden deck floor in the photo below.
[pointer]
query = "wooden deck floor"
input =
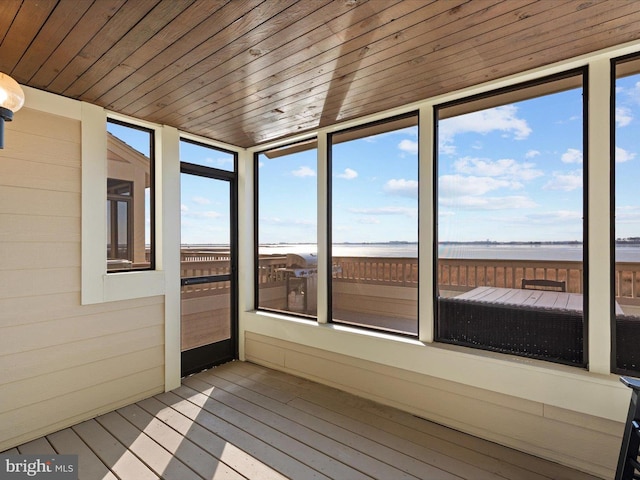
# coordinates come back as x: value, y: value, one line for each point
x: 240, y: 421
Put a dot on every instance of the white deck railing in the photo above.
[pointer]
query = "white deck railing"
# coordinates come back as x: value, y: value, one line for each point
x: 452, y: 274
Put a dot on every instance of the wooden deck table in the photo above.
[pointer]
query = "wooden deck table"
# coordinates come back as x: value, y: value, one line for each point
x: 533, y: 298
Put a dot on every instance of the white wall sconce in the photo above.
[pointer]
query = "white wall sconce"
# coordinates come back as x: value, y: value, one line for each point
x: 11, y: 100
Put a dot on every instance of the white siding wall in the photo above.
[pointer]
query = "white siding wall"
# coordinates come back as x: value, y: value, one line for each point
x: 60, y: 362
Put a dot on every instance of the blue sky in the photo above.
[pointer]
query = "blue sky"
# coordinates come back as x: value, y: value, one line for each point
x: 627, y: 166
x: 205, y: 202
x: 513, y: 172
x: 375, y: 192
x: 375, y: 188
x: 509, y: 173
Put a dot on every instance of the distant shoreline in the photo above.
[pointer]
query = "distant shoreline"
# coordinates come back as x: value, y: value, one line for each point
x: 634, y: 241
x: 483, y: 243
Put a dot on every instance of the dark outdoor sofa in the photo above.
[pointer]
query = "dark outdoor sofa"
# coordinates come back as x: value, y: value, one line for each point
x: 627, y: 344
x: 548, y: 334
x: 543, y: 333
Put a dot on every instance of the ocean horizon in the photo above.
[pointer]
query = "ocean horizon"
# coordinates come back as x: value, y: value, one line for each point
x: 556, y: 251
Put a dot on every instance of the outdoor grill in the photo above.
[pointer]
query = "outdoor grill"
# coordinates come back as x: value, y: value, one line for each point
x: 301, y: 275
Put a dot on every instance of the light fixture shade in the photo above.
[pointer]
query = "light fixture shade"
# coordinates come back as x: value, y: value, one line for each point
x: 11, y: 94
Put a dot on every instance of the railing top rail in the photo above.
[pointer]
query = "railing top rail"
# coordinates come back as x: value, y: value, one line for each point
x: 511, y: 262
x: 196, y: 263
x: 378, y: 259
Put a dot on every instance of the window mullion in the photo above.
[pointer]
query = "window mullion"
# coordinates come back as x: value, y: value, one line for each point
x: 323, y: 247
x: 598, y: 168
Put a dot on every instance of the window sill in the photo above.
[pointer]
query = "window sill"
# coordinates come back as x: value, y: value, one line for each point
x: 124, y: 286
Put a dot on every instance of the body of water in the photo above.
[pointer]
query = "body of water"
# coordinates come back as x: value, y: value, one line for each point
x: 556, y: 252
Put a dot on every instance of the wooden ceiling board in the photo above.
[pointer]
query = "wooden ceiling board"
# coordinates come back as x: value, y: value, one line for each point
x: 248, y: 71
x: 408, y: 90
x: 24, y: 27
x: 460, y: 78
x: 147, y: 28
x: 127, y: 16
x: 241, y: 17
x: 458, y: 49
x: 408, y: 52
x: 394, y: 88
x: 77, y: 37
x: 282, y: 50
x: 316, y: 75
x: 242, y: 53
x: 8, y: 11
x: 302, y: 71
x: 169, y: 61
x: 50, y: 36
x: 184, y: 23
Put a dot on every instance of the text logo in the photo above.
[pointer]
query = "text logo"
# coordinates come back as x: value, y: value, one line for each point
x: 39, y: 467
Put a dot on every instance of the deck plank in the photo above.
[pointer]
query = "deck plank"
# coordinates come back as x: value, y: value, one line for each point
x: 244, y: 421
x: 121, y: 460
x: 421, y: 460
x: 208, y: 454
x: 153, y: 455
x: 39, y: 446
x: 480, y: 453
x: 304, y: 453
x: 340, y: 444
x: 265, y: 451
x: 67, y: 442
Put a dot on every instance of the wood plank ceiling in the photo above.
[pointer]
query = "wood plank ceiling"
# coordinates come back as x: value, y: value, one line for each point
x: 249, y: 71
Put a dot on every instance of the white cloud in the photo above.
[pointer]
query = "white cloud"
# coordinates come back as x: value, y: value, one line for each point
x: 207, y: 214
x: 487, y: 203
x: 506, y: 167
x: 634, y: 93
x: 368, y: 221
x: 623, y: 116
x: 304, y: 171
x: 296, y: 222
x: 184, y: 208
x: 201, y: 200
x: 458, y: 185
x: 386, y: 211
x: 219, y: 162
x: 623, y: 155
x: 553, y: 218
x: 532, y: 154
x: 469, y: 192
x: 348, y: 174
x: 407, y: 188
x: 447, y: 149
x: 566, y: 182
x: 572, y: 155
x: 627, y: 214
x: 502, y: 119
x: 408, y: 146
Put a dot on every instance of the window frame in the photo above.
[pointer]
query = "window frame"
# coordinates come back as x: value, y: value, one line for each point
x: 370, y: 129
x: 96, y: 285
x: 614, y: 64
x: 514, y: 93
x: 113, y: 224
x: 309, y: 143
x: 152, y: 197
